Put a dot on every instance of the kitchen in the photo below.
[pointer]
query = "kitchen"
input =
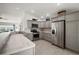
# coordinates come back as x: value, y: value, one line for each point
x: 49, y: 27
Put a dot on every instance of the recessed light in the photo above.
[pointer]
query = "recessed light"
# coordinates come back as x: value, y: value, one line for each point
x: 32, y: 11
x: 47, y: 15
x: 58, y: 4
x: 17, y: 8
x: 42, y: 16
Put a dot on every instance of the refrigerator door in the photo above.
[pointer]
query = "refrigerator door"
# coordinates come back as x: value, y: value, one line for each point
x: 59, y: 33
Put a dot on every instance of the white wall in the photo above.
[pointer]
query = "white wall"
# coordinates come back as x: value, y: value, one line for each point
x: 17, y: 16
x: 24, y: 26
x: 11, y: 19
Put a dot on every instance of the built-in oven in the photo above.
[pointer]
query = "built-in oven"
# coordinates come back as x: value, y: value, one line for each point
x: 35, y: 34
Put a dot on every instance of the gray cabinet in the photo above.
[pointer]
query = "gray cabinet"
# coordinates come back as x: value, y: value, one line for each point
x: 29, y: 22
x: 41, y: 24
x: 44, y: 24
x: 72, y: 35
x: 29, y: 35
x: 48, y: 37
x: 41, y: 35
x: 47, y: 24
x: 78, y: 36
x: 72, y: 31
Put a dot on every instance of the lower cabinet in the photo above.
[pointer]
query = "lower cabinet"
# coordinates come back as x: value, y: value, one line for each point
x: 48, y: 37
x: 29, y: 35
x: 72, y: 36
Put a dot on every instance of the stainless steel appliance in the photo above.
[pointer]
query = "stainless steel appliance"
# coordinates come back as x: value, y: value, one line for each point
x: 35, y: 34
x: 34, y: 30
x: 58, y: 31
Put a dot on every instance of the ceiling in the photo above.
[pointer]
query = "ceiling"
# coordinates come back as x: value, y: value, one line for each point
x: 38, y: 10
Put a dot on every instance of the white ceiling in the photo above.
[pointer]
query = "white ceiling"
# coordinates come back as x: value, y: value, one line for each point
x: 37, y: 9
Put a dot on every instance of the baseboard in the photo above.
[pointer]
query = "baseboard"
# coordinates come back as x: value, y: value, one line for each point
x: 72, y: 50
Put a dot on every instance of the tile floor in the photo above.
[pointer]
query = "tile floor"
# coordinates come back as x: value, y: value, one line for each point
x: 45, y: 48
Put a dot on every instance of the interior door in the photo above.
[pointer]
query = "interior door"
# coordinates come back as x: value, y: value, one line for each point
x: 58, y: 31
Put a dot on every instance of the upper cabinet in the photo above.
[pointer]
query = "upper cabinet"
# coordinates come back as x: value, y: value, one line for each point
x: 41, y: 24
x: 45, y: 24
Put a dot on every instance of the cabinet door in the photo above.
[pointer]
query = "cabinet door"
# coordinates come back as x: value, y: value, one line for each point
x: 41, y: 24
x: 44, y: 36
x: 41, y: 35
x: 48, y: 37
x: 54, y: 39
x: 78, y: 36
x: 47, y: 24
x: 29, y: 22
x: 71, y: 35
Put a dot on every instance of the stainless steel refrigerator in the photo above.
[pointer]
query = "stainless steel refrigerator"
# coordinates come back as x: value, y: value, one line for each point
x: 58, y: 32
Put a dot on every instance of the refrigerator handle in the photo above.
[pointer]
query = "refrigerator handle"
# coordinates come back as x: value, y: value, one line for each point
x: 53, y: 31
